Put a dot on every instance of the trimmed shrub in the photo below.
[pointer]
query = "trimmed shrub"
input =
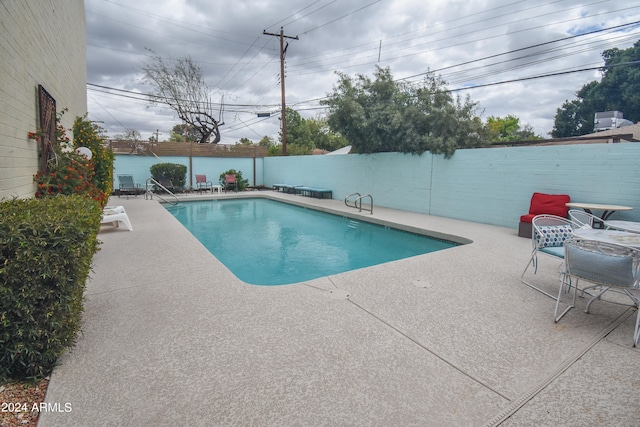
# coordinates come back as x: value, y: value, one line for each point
x: 176, y: 172
x: 46, y: 249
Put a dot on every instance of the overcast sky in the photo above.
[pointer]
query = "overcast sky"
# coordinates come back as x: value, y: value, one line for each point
x: 468, y: 43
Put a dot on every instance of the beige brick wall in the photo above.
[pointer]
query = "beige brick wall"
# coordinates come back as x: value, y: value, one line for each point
x: 41, y: 42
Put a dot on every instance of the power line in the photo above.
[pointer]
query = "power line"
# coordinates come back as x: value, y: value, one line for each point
x: 521, y: 79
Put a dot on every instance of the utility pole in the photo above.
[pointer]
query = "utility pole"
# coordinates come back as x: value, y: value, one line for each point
x: 284, y: 116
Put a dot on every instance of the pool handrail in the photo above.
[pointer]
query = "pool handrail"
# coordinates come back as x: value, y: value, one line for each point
x: 357, y: 203
x: 149, y: 192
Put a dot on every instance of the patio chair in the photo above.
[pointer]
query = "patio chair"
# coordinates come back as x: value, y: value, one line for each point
x: 607, y: 267
x: 127, y: 186
x: 548, y: 237
x: 230, y: 181
x: 117, y: 215
x: 202, y: 184
x: 166, y: 185
x: 582, y: 219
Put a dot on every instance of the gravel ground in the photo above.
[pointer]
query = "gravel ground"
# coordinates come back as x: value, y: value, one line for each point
x: 19, y: 403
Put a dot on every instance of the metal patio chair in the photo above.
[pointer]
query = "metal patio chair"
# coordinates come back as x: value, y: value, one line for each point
x: 582, y: 219
x: 128, y: 187
x: 230, y: 181
x: 549, y: 233
x: 607, y: 266
x: 202, y: 184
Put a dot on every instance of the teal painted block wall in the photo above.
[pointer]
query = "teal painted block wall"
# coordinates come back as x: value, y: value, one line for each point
x: 212, y: 167
x: 491, y: 185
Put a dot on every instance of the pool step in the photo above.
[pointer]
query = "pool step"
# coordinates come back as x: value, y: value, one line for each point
x: 353, y: 224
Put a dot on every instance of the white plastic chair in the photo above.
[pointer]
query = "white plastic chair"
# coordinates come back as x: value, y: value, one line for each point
x: 549, y: 232
x: 607, y: 267
x: 117, y: 215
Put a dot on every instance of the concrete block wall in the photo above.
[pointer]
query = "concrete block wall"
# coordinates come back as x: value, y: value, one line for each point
x: 492, y: 185
x: 139, y: 166
x: 41, y: 42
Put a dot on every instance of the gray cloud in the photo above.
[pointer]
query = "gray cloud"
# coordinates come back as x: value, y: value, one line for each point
x: 411, y: 37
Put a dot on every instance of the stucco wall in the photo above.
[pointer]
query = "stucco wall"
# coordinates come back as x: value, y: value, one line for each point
x: 41, y: 42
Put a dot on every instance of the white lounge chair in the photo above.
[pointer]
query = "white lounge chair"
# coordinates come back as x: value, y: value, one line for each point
x: 117, y: 215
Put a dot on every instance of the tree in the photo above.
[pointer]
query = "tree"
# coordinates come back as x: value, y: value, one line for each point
x: 297, y: 131
x: 244, y: 141
x: 266, y: 141
x: 322, y: 135
x: 180, y: 130
x: 503, y: 129
x: 129, y: 134
x: 618, y: 90
x: 384, y: 115
x: 179, y: 84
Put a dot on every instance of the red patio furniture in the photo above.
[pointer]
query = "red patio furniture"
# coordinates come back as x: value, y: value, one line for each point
x: 541, y: 203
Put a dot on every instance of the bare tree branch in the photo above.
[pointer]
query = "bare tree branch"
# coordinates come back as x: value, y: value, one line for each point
x: 179, y: 84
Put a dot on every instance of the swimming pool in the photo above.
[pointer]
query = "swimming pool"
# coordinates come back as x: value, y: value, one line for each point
x: 266, y: 242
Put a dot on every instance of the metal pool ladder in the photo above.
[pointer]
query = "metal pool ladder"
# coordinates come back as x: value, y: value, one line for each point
x: 149, y: 194
x: 357, y: 202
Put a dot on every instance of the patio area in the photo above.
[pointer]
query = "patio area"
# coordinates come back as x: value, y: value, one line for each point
x: 171, y: 337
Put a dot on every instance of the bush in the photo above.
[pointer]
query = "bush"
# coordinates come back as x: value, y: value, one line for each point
x: 46, y: 249
x: 68, y: 172
x: 176, y: 172
x: 87, y: 134
x: 242, y: 183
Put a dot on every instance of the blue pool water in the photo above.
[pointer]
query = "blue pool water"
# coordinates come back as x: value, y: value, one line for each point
x: 265, y: 242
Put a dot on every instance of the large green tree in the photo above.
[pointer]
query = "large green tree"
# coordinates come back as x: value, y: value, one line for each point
x: 504, y: 129
x: 303, y: 135
x: 618, y: 90
x: 382, y: 115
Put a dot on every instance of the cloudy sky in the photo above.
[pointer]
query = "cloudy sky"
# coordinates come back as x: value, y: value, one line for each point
x: 491, y: 50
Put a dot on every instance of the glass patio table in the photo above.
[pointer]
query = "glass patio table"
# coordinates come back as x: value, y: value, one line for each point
x: 617, y: 237
x: 630, y: 226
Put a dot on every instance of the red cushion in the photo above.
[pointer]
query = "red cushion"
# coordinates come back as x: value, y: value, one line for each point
x: 527, y: 218
x: 551, y: 204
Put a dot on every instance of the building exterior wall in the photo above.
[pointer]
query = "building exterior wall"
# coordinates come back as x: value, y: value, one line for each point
x: 42, y: 42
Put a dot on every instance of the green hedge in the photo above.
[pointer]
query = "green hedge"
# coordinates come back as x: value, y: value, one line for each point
x: 176, y: 172
x: 46, y: 249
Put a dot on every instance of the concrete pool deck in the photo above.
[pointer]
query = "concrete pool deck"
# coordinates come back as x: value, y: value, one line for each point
x: 171, y: 337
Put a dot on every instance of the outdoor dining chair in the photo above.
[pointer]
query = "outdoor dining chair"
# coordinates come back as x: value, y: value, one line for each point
x: 549, y: 233
x: 607, y: 267
x: 582, y: 219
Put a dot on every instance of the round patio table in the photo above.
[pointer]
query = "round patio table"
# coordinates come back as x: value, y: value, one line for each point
x: 607, y: 210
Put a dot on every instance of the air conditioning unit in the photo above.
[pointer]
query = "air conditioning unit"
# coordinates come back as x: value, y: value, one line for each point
x: 608, y: 120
